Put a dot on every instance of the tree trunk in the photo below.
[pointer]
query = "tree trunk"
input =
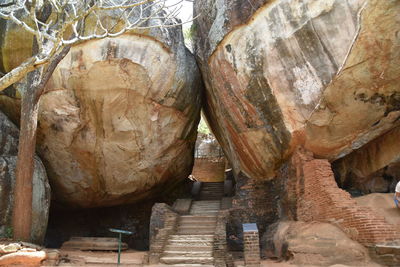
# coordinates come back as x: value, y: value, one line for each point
x: 22, y: 210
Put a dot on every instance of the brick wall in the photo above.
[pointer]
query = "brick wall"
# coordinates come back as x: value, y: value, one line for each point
x: 209, y: 169
x: 220, y: 248
x: 255, y: 202
x: 163, y: 223
x: 312, y: 188
x: 251, y: 247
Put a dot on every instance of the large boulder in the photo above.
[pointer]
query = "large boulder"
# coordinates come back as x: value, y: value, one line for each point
x: 323, y: 74
x: 118, y: 121
x: 41, y: 188
x: 316, y: 244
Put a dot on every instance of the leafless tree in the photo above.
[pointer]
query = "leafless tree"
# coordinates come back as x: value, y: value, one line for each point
x: 56, y: 25
x: 66, y: 24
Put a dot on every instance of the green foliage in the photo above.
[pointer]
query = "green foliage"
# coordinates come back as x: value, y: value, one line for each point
x: 188, y: 33
x: 203, y: 127
x: 9, y: 232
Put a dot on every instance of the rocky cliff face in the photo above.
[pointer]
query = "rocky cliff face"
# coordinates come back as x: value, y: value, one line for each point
x: 372, y: 168
x: 118, y: 121
x: 41, y: 189
x: 323, y: 74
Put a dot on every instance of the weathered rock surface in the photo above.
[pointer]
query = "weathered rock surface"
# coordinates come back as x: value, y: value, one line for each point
x: 320, y: 244
x: 118, y: 121
x: 375, y: 167
x: 41, y: 188
x: 23, y: 258
x: 319, y: 73
x: 382, y: 204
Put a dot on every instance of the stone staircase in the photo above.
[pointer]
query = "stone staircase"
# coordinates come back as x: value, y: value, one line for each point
x: 192, y: 243
x: 212, y: 191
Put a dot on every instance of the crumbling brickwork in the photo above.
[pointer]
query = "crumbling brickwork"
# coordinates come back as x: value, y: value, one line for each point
x: 220, y: 248
x: 254, y: 202
x: 312, y: 188
x: 251, y: 245
x: 162, y: 224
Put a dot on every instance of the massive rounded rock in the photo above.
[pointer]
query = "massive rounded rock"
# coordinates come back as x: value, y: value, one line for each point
x: 41, y: 188
x: 315, y: 243
x: 319, y: 73
x: 118, y: 121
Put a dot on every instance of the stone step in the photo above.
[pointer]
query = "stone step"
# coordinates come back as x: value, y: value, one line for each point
x: 198, y: 227
x: 191, y: 237
x: 205, y: 209
x: 187, y: 265
x: 195, y: 231
x: 187, y: 260
x: 189, y: 217
x: 206, y: 206
x: 203, y: 244
x: 181, y: 253
x: 194, y: 242
x: 196, y: 219
x: 207, y: 197
x: 211, y: 189
x: 216, y: 189
x: 189, y: 247
x: 216, y: 206
x: 205, y: 202
x: 205, y: 213
x: 197, y: 223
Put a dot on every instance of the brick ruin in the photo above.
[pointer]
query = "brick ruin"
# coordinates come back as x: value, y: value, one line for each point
x: 304, y: 190
x: 313, y: 195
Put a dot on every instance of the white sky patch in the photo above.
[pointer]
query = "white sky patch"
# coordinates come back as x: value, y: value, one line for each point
x: 185, y: 13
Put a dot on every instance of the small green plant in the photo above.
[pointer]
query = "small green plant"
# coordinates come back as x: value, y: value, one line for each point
x: 189, y: 33
x: 203, y: 127
x: 9, y: 232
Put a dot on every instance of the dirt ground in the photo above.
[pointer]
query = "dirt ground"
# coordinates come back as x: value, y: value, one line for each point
x: 98, y: 258
x: 136, y: 258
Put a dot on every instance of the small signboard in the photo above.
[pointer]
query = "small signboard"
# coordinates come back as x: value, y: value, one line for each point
x: 250, y: 227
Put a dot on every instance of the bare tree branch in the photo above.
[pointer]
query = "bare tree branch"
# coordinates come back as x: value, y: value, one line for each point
x: 70, y: 15
x: 50, y: 69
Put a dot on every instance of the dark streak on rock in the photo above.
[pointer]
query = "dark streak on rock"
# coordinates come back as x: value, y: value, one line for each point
x: 260, y: 95
x: 392, y: 101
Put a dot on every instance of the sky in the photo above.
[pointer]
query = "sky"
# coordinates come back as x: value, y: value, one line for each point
x: 186, y: 12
